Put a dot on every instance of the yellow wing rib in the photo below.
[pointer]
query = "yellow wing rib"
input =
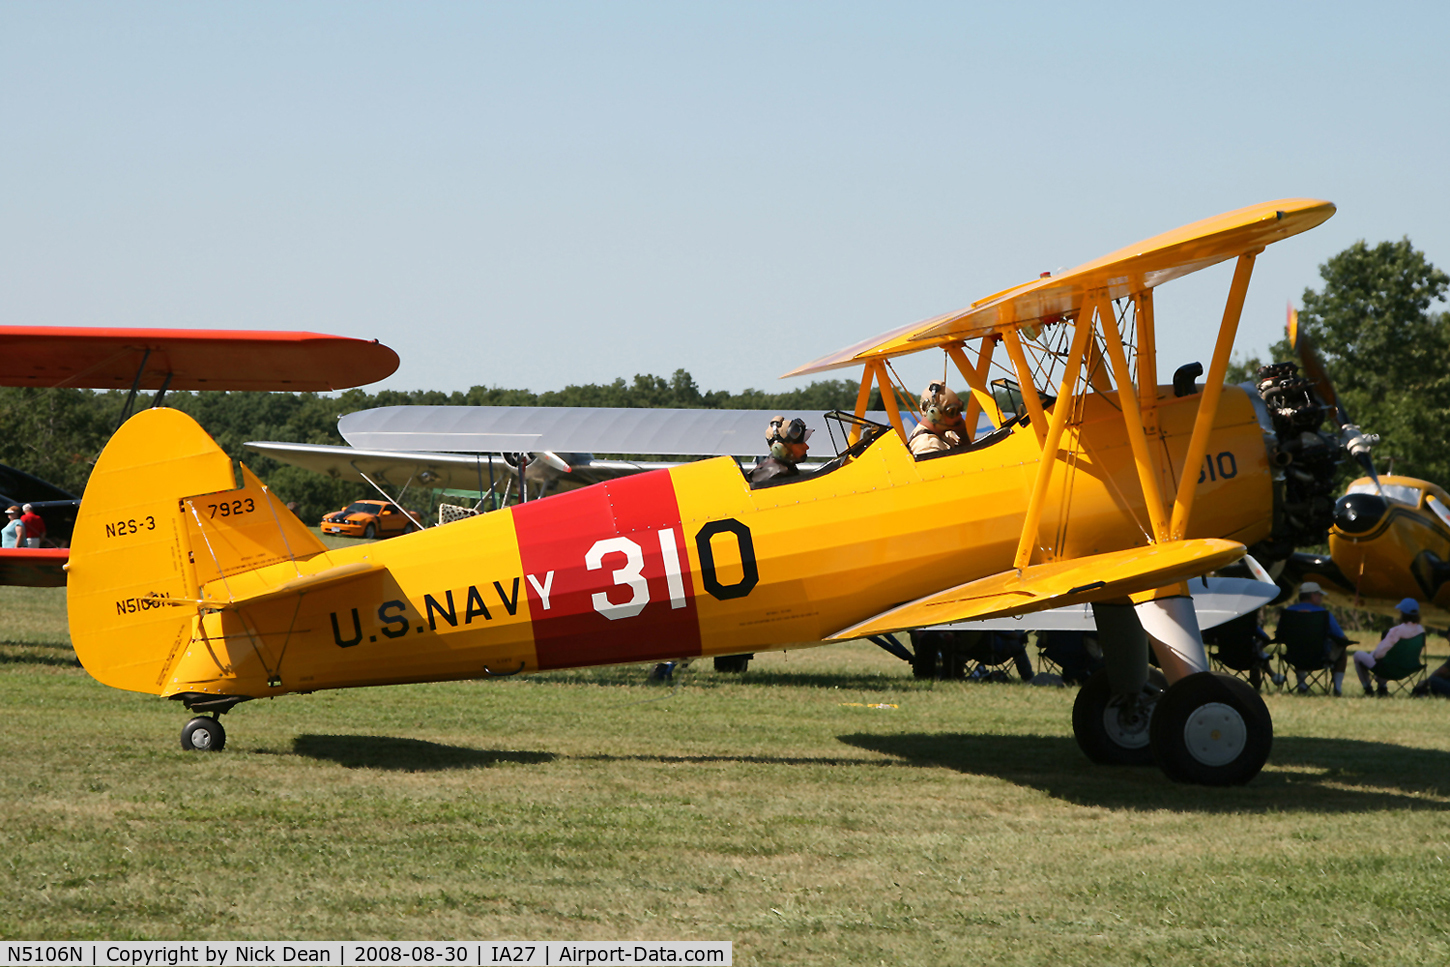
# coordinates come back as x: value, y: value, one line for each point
x: 1096, y: 578
x: 1135, y: 268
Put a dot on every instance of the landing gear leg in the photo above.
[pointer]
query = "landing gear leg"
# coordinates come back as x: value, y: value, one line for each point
x: 203, y: 734
x: 1208, y: 728
x: 1111, y: 715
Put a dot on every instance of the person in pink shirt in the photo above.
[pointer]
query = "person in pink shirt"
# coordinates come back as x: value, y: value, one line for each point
x: 1408, y: 627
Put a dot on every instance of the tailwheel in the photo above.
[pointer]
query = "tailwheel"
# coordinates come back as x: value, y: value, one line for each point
x: 1115, y: 730
x: 203, y: 734
x: 1212, y: 729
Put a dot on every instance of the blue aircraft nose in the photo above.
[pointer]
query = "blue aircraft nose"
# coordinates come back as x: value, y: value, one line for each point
x: 1357, y: 513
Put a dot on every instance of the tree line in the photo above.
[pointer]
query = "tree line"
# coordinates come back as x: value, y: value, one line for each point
x: 56, y: 434
x: 1374, y: 320
x: 1387, y: 351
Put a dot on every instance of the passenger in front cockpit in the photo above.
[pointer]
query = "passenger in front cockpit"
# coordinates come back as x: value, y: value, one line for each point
x: 941, y: 426
x: 787, y: 442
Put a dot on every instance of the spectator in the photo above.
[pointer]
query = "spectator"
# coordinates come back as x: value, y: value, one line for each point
x: 1311, y: 598
x: 14, y: 533
x: 1409, y: 627
x: 1437, y: 684
x: 34, y: 526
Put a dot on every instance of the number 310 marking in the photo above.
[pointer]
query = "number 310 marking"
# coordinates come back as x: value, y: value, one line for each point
x: 631, y: 575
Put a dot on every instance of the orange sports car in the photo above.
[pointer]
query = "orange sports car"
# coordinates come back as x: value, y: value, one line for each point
x: 370, y: 518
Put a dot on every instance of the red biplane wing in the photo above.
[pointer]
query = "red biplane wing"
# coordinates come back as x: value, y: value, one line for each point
x: 33, y: 567
x: 188, y: 359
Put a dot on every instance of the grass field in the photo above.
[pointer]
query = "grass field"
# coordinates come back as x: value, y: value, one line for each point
x: 781, y: 811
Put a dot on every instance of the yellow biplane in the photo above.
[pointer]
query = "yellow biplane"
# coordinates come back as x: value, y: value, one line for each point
x: 1096, y: 484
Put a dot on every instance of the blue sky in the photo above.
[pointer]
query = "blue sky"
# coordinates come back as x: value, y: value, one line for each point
x: 538, y: 194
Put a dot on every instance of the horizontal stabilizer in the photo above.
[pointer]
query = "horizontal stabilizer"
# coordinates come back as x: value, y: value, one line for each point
x: 307, y: 583
x: 1096, y: 578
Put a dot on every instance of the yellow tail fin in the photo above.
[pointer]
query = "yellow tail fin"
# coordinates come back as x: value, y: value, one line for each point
x: 143, y: 536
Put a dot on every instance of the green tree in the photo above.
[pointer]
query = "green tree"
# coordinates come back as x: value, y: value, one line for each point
x: 1387, y: 352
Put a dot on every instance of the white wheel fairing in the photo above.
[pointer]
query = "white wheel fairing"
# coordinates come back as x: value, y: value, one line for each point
x: 1215, y: 734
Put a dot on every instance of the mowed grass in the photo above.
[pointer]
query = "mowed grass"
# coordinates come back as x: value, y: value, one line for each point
x: 781, y: 811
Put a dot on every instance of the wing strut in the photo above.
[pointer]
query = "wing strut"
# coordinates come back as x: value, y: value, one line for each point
x: 1026, y: 384
x: 1132, y: 418
x: 1147, y: 360
x: 888, y: 396
x: 1212, y: 390
x: 863, y: 399
x: 1060, y: 410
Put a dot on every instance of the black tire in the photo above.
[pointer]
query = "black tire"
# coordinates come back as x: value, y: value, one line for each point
x: 733, y: 664
x: 1211, y: 729
x: 370, y: 532
x: 202, y: 734
x: 1102, y: 736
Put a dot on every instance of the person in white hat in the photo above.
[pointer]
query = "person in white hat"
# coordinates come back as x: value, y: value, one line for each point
x: 1408, y: 627
x: 1311, y: 598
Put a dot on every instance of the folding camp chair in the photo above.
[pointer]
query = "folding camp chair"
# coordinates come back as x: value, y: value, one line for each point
x: 1236, y: 650
x: 1402, y: 667
x: 993, y: 653
x: 1067, y: 655
x: 1303, y: 635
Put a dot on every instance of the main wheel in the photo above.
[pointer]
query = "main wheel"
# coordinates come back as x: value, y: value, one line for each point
x: 202, y: 734
x: 1211, y: 729
x: 1115, y: 731
x: 370, y: 532
x: 732, y: 664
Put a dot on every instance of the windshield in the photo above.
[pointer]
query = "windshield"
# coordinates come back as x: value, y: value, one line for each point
x: 1399, y: 493
x: 361, y: 508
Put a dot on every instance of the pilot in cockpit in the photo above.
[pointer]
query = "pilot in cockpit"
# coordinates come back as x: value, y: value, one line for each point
x: 941, y: 426
x: 787, y: 442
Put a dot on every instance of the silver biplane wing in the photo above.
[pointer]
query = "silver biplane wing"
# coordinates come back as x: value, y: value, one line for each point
x: 452, y: 471
x: 577, y: 429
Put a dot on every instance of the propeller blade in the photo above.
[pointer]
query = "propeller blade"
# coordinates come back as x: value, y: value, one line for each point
x: 1356, y: 442
x: 553, y: 460
x: 1313, y: 367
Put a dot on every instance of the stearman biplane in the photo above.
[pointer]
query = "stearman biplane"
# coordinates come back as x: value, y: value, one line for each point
x: 159, y: 360
x: 1389, y: 537
x: 479, y: 449
x: 1102, y: 487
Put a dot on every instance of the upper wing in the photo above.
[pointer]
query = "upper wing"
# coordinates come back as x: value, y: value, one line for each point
x: 453, y: 471
x: 1098, y: 577
x: 190, y: 359
x: 579, y: 429
x: 1149, y: 263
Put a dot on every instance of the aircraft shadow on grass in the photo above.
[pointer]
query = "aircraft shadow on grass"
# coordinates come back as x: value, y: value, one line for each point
x: 406, y: 755
x: 22, y: 653
x: 1307, y: 775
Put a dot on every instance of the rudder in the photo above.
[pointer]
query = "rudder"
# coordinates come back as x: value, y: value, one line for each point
x: 139, y: 541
